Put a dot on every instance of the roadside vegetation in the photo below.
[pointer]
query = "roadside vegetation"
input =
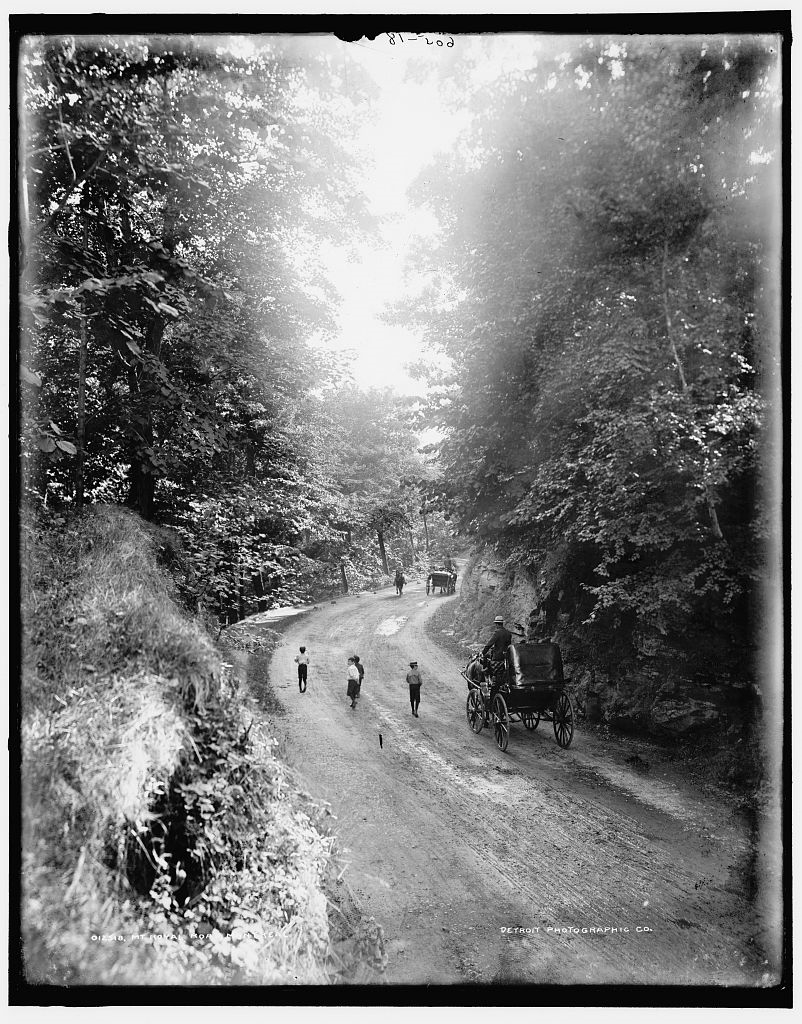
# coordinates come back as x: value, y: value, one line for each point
x: 164, y: 842
x: 605, y: 288
x: 599, y: 305
x: 191, y: 453
x: 176, y: 313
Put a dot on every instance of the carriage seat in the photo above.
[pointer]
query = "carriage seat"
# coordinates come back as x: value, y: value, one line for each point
x: 534, y: 665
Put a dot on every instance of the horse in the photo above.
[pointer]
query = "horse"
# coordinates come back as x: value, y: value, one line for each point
x: 399, y: 582
x: 475, y: 673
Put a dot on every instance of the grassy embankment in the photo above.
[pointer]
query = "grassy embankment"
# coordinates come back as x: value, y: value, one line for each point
x: 163, y: 841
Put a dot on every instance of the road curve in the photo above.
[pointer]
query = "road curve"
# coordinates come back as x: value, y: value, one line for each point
x: 538, y: 865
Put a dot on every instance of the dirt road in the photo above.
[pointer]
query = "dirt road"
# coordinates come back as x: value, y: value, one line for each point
x: 610, y: 871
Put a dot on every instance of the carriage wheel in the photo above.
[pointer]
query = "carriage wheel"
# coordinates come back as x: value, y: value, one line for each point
x: 475, y: 711
x: 531, y: 719
x: 564, y: 721
x: 501, y: 722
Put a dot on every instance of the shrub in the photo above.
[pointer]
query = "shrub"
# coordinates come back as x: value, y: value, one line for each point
x: 162, y: 841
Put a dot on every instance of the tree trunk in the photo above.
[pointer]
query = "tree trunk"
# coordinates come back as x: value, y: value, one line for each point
x: 258, y: 584
x: 344, y: 578
x: 412, y: 543
x: 24, y: 198
x: 241, y: 606
x: 80, y: 429
x: 425, y: 529
x: 380, y: 535
x: 141, y: 490
x: 141, y: 482
x: 250, y: 460
x: 142, y: 486
x: 170, y: 209
x: 708, y: 492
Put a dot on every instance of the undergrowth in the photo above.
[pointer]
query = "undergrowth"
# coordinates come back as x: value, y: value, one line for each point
x: 162, y: 841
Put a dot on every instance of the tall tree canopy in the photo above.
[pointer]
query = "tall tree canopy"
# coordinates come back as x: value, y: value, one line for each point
x: 167, y: 186
x: 175, y: 197
x: 603, y: 286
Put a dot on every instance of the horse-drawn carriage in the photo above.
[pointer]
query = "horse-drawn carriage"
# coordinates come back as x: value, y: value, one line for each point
x: 527, y: 687
x: 445, y: 579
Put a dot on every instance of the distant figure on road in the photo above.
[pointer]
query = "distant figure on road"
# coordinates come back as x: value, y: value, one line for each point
x: 361, y: 670
x: 353, y: 681
x: 399, y: 582
x: 302, y: 661
x: 414, y: 680
x: 445, y: 579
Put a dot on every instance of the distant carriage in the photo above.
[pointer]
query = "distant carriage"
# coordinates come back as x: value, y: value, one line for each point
x: 531, y: 687
x: 445, y: 579
x: 400, y: 580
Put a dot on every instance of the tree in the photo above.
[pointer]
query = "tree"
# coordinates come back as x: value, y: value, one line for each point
x: 372, y: 456
x: 174, y: 195
x: 597, y: 290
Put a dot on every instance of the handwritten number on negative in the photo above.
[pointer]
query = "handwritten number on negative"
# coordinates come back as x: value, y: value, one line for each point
x: 397, y: 36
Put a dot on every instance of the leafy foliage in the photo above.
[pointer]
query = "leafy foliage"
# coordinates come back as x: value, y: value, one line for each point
x: 175, y: 197
x: 162, y: 840
x: 602, y: 289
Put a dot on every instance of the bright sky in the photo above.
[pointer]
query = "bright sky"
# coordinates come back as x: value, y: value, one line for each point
x: 412, y: 126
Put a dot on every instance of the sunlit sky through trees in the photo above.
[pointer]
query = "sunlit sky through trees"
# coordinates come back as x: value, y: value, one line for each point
x: 422, y: 107
x: 411, y: 124
x: 420, y: 111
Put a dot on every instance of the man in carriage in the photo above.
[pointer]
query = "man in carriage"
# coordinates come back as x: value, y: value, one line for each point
x: 495, y: 651
x: 501, y: 639
x: 536, y: 686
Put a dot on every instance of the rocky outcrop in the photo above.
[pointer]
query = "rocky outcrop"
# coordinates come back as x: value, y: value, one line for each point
x: 488, y: 589
x: 679, y: 717
x: 635, y: 702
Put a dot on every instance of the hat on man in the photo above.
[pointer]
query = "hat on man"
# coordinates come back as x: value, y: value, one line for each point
x: 412, y: 664
x: 499, y: 618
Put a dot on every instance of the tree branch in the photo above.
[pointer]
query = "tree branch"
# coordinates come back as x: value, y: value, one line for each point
x: 669, y: 327
x: 76, y: 184
x: 66, y: 144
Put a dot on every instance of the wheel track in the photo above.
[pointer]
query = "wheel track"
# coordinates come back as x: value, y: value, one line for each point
x: 536, y: 836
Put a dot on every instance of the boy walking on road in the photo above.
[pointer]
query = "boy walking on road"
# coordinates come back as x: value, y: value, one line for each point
x: 302, y: 661
x: 353, y: 681
x: 361, y: 670
x: 414, y: 680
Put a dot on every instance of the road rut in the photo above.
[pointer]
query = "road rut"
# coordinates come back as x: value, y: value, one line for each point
x: 538, y: 865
